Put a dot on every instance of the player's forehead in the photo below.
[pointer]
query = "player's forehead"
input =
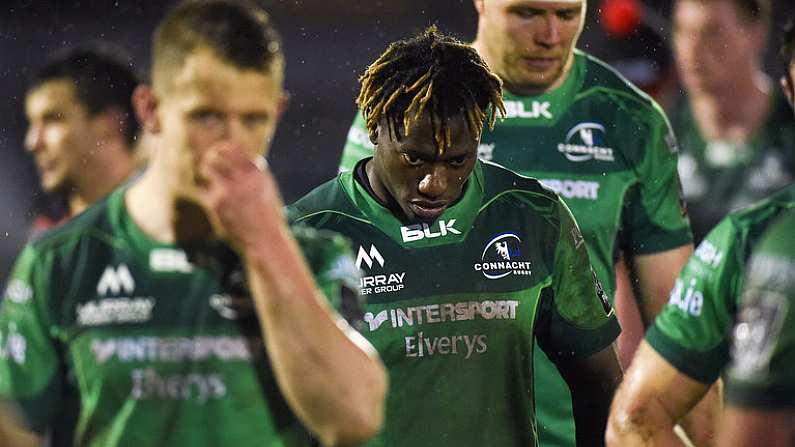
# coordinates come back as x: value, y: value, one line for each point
x: 696, y: 11
x: 421, y: 139
x: 51, y: 96
x: 537, y: 4
x: 206, y: 78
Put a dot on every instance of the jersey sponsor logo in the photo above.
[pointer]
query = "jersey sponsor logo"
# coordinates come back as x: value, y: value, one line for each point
x: 466, y: 345
x: 148, y: 384
x: 502, y: 257
x: 380, y: 282
x: 486, y: 151
x: 115, y: 310
x: 574, y: 189
x: 359, y: 136
x: 584, y: 142
x: 169, y: 260
x: 19, y: 291
x: 174, y: 349
x: 441, y: 313
x: 757, y: 332
x: 114, y: 280
x: 773, y: 271
x: 537, y: 109
x: 709, y: 254
x: 13, y: 345
x: 368, y: 257
x: 418, y: 232
x: 689, y: 300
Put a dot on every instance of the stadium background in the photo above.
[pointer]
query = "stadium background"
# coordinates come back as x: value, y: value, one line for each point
x: 328, y: 44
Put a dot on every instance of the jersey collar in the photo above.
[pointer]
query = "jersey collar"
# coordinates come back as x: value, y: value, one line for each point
x: 451, y: 227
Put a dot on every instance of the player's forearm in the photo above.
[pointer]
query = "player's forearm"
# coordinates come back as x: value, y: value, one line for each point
x: 327, y: 371
x: 640, y: 424
x: 701, y: 423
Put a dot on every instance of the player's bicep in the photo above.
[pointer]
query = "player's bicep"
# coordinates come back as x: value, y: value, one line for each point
x: 30, y: 371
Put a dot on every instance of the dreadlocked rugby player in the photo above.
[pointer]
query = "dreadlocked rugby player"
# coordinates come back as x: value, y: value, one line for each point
x: 604, y: 146
x: 180, y: 310
x: 466, y: 264
x: 687, y: 348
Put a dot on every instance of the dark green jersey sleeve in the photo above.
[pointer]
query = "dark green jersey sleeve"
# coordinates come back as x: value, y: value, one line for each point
x: 30, y: 372
x: 580, y: 321
x: 690, y: 332
x: 330, y: 257
x: 357, y: 145
x: 654, y: 219
x: 763, y: 350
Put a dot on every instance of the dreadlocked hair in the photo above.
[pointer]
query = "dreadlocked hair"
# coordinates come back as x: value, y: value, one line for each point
x: 431, y: 73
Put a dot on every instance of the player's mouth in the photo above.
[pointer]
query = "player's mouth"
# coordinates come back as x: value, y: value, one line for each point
x: 540, y: 63
x: 426, y: 210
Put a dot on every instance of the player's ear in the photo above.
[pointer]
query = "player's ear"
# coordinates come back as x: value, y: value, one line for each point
x: 373, y: 133
x: 786, y: 86
x: 145, y: 103
x: 479, y: 6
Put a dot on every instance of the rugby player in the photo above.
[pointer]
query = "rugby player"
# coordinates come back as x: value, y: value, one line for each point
x: 604, y: 146
x: 759, y: 384
x: 735, y: 128
x: 81, y: 129
x: 686, y: 349
x: 466, y: 263
x: 180, y: 311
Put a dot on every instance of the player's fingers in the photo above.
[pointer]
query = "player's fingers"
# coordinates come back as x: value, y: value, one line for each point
x: 217, y: 165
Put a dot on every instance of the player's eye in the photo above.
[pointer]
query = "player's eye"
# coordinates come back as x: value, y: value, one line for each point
x: 411, y: 159
x: 207, y: 118
x: 525, y: 13
x: 457, y: 162
x: 52, y: 117
x: 253, y: 120
x: 568, y: 14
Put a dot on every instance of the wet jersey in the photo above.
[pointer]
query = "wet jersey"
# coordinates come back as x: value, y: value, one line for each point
x: 608, y: 150
x: 109, y: 338
x: 454, y: 307
x: 719, y: 177
x: 763, y: 351
x: 691, y: 332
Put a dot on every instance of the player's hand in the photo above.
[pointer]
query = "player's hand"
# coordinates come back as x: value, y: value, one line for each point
x: 240, y: 197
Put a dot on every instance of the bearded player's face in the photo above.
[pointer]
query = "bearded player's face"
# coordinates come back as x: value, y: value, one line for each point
x: 210, y: 101
x: 422, y: 180
x: 529, y: 43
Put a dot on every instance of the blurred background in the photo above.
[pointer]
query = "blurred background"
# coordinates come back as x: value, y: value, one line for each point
x: 328, y: 43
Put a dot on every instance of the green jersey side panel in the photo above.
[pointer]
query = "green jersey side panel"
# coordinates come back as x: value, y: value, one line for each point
x: 763, y: 352
x: 691, y: 330
x: 454, y: 307
x: 109, y: 338
x: 719, y: 177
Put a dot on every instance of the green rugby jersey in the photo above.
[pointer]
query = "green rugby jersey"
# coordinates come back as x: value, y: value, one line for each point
x: 691, y: 332
x: 109, y: 338
x: 608, y: 150
x: 719, y: 177
x: 763, y: 352
x: 454, y: 307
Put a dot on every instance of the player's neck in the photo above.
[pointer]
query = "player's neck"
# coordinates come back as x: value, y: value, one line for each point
x: 110, y: 166
x: 734, y: 114
x: 155, y: 205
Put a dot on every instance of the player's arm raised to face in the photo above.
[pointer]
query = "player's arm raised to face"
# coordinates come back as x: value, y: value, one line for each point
x: 330, y: 375
x: 653, y: 397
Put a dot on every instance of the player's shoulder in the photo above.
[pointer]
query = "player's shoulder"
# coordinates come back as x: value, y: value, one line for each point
x: 94, y: 222
x: 501, y: 182
x: 600, y: 80
x: 764, y: 211
x: 326, y: 199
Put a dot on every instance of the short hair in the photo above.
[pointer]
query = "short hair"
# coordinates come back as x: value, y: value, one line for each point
x: 237, y: 31
x: 432, y: 72
x: 752, y: 11
x: 100, y: 79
